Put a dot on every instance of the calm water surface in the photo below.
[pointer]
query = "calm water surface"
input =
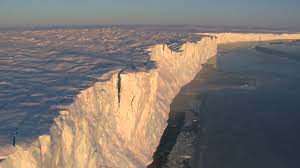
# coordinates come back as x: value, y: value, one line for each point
x: 247, y: 108
x: 252, y: 110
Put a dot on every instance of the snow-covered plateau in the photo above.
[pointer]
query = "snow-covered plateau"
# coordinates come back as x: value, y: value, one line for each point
x: 95, y: 97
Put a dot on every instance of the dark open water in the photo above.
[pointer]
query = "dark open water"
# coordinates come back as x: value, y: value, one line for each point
x: 251, y: 114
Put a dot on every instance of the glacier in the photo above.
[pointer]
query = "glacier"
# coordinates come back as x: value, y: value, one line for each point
x: 118, y: 119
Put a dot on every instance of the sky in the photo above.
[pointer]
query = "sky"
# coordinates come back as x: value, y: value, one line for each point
x: 260, y: 13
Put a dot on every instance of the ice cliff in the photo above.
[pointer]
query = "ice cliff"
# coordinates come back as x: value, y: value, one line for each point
x: 225, y: 38
x: 118, y: 121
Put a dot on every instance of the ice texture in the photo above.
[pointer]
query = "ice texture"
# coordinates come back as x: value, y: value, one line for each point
x: 117, y: 122
x: 42, y: 71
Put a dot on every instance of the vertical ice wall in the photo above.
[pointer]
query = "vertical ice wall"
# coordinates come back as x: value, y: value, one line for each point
x: 225, y: 38
x: 117, y: 122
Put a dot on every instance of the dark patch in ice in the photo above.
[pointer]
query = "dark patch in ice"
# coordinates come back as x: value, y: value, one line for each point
x: 119, y: 86
x: 132, y: 101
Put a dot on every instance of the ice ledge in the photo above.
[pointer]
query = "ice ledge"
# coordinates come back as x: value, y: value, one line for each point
x: 226, y: 38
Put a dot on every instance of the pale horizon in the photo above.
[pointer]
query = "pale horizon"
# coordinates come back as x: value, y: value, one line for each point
x: 265, y: 13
